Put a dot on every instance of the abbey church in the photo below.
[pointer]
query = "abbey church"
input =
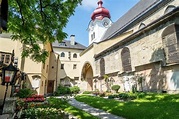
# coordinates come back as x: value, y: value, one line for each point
x: 140, y: 49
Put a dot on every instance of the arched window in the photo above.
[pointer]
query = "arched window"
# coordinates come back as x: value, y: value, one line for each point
x: 169, y: 9
x: 126, y: 59
x: 142, y: 25
x: 102, y: 66
x: 62, y: 54
x: 74, y: 55
x: 170, y: 41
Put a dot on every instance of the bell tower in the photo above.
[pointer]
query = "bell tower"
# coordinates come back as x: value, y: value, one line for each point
x: 100, y: 22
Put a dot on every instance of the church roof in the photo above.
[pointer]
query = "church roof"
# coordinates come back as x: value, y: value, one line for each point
x: 141, y: 7
x: 67, y: 44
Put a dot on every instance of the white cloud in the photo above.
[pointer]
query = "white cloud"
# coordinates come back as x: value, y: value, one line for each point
x: 89, y: 4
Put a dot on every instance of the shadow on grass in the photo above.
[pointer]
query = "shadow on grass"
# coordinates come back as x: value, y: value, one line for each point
x: 151, y: 106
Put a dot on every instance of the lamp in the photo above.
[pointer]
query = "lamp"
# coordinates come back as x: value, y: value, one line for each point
x: 8, y: 77
x: 8, y: 74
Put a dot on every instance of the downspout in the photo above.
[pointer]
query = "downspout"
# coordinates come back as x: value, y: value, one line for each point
x: 57, y: 71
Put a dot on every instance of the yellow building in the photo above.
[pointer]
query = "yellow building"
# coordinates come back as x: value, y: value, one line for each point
x: 40, y: 77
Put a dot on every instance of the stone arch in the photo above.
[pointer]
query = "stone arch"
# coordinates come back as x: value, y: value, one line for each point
x: 126, y: 59
x: 87, y: 75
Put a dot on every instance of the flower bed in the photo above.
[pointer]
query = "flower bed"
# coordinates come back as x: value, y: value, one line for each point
x: 34, y: 98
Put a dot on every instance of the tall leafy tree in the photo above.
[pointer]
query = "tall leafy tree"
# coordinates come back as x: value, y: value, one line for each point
x: 33, y: 22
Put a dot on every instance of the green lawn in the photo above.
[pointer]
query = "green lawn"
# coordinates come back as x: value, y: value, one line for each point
x: 57, y: 103
x: 150, y: 106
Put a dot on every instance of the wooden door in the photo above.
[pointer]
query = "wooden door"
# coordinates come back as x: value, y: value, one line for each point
x: 50, y: 87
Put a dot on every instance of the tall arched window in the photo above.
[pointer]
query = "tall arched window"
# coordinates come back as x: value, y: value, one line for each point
x: 102, y: 66
x: 126, y: 59
x: 170, y: 38
x: 169, y: 9
x: 142, y: 25
x: 62, y: 54
x: 74, y: 55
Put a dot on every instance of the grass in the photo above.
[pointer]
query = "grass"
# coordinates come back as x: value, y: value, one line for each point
x: 150, y: 106
x: 80, y: 114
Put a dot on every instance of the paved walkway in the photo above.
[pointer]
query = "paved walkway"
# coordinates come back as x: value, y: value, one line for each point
x: 96, y: 112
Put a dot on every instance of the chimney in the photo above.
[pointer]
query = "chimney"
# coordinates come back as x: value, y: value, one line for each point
x: 72, y: 39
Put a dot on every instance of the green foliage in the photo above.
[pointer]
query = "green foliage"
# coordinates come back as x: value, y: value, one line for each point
x: 36, y: 22
x: 43, y: 113
x: 61, y: 90
x: 74, y: 89
x: 87, y: 92
x: 53, y: 110
x: 150, y: 106
x: 115, y: 88
x: 24, y: 93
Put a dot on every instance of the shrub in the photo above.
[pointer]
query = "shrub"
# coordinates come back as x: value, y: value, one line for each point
x: 102, y: 94
x: 61, y: 90
x: 123, y: 96
x: 74, y: 89
x: 87, y: 92
x: 115, y: 88
x: 24, y: 93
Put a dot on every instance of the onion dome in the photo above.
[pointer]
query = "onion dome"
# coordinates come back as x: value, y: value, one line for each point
x: 100, y: 12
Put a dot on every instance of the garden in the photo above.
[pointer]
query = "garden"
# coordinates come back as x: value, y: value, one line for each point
x: 33, y: 106
x: 136, y: 105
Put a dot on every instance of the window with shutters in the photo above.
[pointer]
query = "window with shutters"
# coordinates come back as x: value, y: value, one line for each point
x: 102, y: 66
x: 170, y: 37
x: 126, y: 59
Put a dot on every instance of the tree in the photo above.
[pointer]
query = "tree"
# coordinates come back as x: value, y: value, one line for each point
x: 39, y: 21
x: 115, y: 88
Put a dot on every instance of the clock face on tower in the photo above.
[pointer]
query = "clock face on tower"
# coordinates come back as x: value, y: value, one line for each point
x: 106, y: 22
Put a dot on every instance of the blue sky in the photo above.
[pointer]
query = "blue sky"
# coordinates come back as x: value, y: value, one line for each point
x: 78, y: 23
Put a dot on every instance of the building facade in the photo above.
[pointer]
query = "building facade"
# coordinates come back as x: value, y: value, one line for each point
x: 140, y: 49
x: 68, y: 53
x: 38, y: 76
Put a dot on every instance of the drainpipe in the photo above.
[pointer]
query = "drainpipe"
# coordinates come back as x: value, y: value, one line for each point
x: 57, y: 71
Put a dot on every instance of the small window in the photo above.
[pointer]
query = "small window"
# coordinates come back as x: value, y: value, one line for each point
x: 169, y: 9
x: 93, y: 36
x: 62, y: 66
x: 2, y: 57
x: 62, y: 44
x: 74, y: 66
x: 75, y: 55
x: 62, y: 54
x: 142, y: 25
x: 76, y: 78
x: 7, y: 60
